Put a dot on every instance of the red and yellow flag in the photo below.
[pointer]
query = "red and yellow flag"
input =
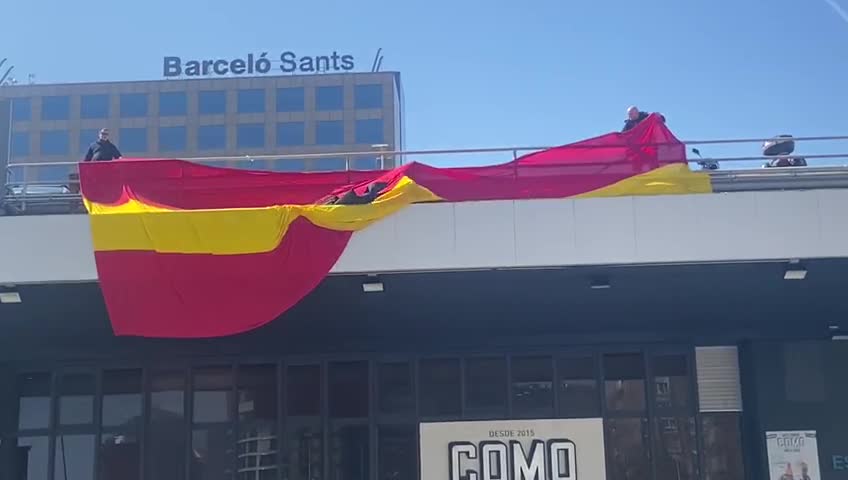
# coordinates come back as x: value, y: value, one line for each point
x: 187, y: 251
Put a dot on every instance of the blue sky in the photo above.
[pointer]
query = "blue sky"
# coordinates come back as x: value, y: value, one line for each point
x: 494, y: 73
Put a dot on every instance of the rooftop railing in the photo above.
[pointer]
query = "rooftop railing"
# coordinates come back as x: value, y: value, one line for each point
x: 61, y: 193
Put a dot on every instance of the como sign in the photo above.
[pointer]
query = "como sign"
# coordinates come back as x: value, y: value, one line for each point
x: 514, y: 450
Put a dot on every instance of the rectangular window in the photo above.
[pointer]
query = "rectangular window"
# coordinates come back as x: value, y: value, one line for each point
x: 20, y: 144
x: 94, y: 106
x: 290, y: 99
x: 74, y: 459
x: 212, y: 137
x: 329, y: 164
x: 290, y: 134
x: 397, y: 453
x: 304, y: 390
x: 578, y: 387
x: 86, y: 138
x: 251, y: 101
x: 55, y: 142
x: 173, y: 104
x: 672, y: 382
x: 329, y: 98
x: 120, y: 457
x: 257, y: 407
x: 369, y: 132
x: 133, y: 105
x: 439, y: 380
x: 21, y: 109
x: 133, y: 139
x: 213, y: 443
x: 348, y: 385
x: 34, y: 401
x: 212, y: 102
x: 368, y: 96
x: 350, y: 453
x: 250, y: 135
x: 624, y: 382
x: 329, y: 132
x: 394, y: 384
x: 532, y: 387
x: 76, y: 399
x: 627, y: 449
x: 122, y: 399
x: 722, y: 446
x: 303, y: 423
x: 31, y: 458
x: 172, y: 139
x: 55, y: 108
x: 166, y: 448
x: 485, y: 386
x: 675, y: 448
x: 213, y: 395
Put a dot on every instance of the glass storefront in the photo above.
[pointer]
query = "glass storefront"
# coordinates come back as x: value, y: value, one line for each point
x: 355, y: 418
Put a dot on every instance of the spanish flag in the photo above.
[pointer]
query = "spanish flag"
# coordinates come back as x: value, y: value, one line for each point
x: 191, y: 251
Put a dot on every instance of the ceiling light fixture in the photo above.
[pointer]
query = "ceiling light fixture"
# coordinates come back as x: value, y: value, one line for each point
x: 10, y: 297
x: 373, y: 285
x: 795, y: 271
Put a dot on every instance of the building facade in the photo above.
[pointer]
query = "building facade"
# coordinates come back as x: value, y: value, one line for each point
x: 196, y: 118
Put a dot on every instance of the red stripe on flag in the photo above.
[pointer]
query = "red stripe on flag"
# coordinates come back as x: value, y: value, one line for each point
x: 152, y: 294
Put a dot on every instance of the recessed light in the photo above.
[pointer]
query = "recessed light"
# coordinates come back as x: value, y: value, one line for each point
x: 372, y: 287
x: 10, y: 297
x: 795, y: 273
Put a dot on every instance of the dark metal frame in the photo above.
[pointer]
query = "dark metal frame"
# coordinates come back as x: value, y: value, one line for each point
x: 189, y: 365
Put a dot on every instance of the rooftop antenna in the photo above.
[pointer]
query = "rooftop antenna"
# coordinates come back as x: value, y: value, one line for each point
x: 5, y: 76
x: 378, y: 60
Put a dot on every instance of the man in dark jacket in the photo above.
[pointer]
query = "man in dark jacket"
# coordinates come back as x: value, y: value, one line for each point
x: 102, y: 149
x: 634, y: 116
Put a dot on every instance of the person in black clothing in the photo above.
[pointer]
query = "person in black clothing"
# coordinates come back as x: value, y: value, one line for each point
x: 634, y: 116
x: 102, y: 149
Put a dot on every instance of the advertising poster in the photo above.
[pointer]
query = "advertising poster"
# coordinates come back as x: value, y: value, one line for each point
x: 513, y: 450
x: 793, y: 455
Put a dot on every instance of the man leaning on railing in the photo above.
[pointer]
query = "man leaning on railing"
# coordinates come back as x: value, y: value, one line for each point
x: 102, y: 149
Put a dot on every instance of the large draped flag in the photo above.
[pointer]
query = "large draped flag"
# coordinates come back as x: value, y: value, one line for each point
x: 190, y: 251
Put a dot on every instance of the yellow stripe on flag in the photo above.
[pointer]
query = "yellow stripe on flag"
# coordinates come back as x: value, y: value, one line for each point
x: 137, y: 226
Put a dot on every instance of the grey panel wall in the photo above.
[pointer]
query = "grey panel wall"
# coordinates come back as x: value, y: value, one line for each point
x: 797, y: 386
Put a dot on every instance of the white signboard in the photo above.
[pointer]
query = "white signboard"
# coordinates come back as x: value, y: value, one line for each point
x: 513, y: 450
x: 793, y: 455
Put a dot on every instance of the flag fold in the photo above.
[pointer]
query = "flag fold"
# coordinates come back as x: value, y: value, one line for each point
x: 191, y: 251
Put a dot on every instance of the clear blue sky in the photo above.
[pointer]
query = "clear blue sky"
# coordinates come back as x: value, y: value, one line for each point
x: 493, y: 73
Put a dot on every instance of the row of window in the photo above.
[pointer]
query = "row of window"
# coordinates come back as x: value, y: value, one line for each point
x: 209, y: 102
x: 262, y: 420
x: 209, y: 137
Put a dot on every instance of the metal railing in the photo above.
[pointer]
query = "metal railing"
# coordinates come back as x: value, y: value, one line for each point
x: 61, y: 195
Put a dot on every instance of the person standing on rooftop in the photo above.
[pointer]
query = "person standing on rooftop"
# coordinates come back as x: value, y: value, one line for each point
x: 102, y: 149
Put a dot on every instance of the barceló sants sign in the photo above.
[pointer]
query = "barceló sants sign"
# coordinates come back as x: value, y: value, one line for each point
x: 289, y: 62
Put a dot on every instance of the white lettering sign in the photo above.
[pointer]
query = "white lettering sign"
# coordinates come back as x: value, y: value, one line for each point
x: 514, y: 450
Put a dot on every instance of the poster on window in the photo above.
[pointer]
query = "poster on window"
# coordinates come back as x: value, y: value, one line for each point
x: 793, y: 455
x: 513, y: 450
